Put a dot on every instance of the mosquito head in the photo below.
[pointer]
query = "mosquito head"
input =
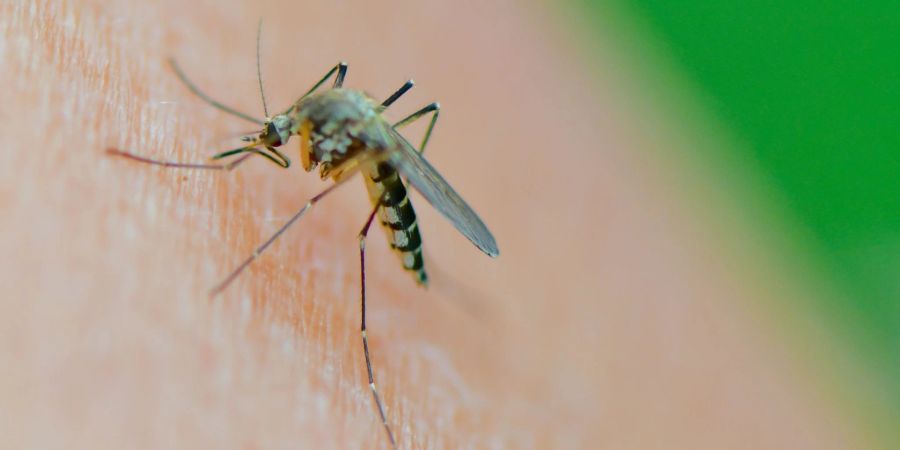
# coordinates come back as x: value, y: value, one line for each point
x: 276, y: 131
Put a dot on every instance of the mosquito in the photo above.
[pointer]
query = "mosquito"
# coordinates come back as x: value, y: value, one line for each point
x: 342, y: 131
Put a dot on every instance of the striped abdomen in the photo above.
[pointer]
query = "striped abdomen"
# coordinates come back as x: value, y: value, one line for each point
x: 397, y: 217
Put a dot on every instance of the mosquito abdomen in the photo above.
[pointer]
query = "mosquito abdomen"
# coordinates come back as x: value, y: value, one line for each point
x: 397, y: 217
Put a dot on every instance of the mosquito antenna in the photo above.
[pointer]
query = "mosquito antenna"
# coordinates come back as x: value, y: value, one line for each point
x: 262, y: 92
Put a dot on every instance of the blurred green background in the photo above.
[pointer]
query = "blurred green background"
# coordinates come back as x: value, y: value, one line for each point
x: 812, y: 91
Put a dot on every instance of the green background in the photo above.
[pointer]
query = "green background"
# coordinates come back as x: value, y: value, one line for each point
x: 811, y: 89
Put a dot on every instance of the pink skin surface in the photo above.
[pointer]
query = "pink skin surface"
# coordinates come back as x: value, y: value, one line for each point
x: 612, y: 318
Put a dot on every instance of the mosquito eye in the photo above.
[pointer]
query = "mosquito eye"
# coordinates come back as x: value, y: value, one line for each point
x: 272, y: 133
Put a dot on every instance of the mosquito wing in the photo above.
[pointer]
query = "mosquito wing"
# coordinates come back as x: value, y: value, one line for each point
x: 422, y: 176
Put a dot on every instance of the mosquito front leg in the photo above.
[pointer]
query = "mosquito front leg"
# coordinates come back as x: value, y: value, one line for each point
x: 432, y: 108
x: 285, y: 162
x: 340, y: 68
x: 339, y: 79
x: 278, y: 159
x: 193, y: 88
x: 173, y: 164
x: 365, y: 339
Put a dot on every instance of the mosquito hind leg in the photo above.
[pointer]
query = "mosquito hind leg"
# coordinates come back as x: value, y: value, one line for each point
x: 434, y: 108
x: 365, y: 339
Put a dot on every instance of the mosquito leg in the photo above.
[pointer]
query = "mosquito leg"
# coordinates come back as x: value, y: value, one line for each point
x: 432, y: 108
x: 193, y: 88
x: 309, y: 204
x: 132, y: 156
x: 285, y: 162
x: 365, y: 339
x: 393, y: 98
x: 341, y: 69
x: 278, y: 159
x: 342, y: 72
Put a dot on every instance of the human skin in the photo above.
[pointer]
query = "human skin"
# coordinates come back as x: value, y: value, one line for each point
x: 611, y: 319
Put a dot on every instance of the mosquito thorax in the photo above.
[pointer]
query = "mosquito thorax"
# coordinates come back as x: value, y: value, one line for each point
x: 336, y: 125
